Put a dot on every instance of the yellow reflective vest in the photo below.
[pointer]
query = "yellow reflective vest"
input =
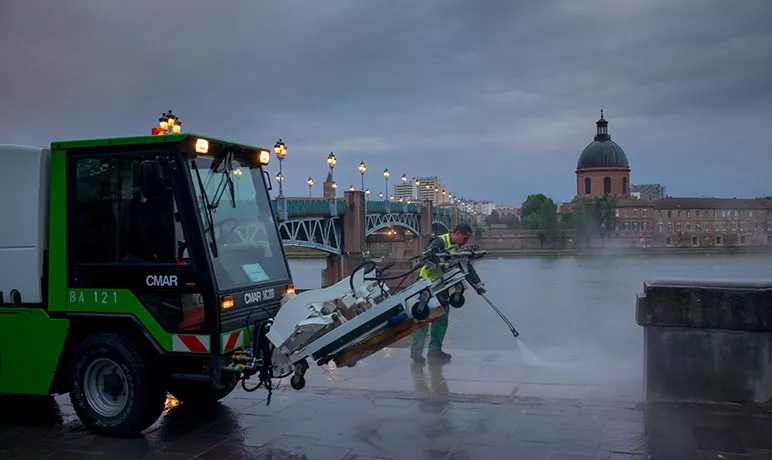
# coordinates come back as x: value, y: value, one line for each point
x: 434, y: 274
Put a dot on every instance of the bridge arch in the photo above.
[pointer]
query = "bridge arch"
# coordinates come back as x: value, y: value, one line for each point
x: 440, y: 225
x: 375, y: 222
x: 320, y: 233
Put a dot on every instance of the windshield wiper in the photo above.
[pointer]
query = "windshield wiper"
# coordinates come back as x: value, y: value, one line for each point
x: 209, y: 208
x: 226, y: 181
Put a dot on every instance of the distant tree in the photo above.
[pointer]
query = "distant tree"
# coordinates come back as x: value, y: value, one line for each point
x: 493, y: 218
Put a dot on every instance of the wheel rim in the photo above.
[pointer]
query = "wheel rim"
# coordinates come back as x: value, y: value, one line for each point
x: 105, y: 387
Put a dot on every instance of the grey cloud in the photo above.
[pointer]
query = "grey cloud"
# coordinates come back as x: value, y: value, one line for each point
x: 497, y: 97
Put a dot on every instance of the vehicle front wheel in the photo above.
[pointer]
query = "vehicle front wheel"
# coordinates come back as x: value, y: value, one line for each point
x: 200, y: 393
x: 115, y: 385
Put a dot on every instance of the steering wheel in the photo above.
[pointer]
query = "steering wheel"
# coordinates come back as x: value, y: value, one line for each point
x: 221, y: 226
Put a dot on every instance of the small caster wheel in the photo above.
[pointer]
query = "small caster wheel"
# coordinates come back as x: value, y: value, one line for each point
x: 420, y: 311
x: 298, y: 382
x: 457, y: 301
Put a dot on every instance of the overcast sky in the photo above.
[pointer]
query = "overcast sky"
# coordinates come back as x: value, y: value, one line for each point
x: 497, y: 97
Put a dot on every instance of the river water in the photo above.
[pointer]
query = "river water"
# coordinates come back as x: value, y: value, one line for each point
x: 571, y: 311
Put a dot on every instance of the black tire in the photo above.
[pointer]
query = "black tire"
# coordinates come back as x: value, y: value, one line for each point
x: 298, y: 382
x: 200, y: 393
x: 419, y: 313
x: 457, y: 301
x: 142, y: 383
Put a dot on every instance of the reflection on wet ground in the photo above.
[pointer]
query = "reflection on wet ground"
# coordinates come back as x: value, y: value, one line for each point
x: 480, y: 406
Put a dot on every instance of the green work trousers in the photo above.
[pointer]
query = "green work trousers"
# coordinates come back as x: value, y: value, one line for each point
x: 439, y: 328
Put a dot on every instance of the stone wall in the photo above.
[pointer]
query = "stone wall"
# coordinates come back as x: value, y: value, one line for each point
x: 707, y: 341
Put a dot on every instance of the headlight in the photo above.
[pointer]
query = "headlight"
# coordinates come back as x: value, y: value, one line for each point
x: 202, y: 146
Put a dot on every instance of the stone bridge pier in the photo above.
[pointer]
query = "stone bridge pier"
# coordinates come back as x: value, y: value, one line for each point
x: 354, y: 247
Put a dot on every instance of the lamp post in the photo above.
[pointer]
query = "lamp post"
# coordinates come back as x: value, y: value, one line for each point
x: 386, y: 175
x: 310, y: 183
x: 331, y: 160
x: 367, y: 193
x: 351, y: 189
x: 281, y: 205
x: 362, y: 169
x: 168, y: 124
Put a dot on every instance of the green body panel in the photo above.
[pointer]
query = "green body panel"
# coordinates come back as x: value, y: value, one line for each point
x: 57, y: 239
x: 30, y: 346
x: 117, y: 301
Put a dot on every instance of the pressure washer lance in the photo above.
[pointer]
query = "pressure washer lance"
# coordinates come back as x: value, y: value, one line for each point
x: 511, y: 327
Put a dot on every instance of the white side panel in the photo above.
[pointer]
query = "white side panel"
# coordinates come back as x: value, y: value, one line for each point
x: 23, y: 220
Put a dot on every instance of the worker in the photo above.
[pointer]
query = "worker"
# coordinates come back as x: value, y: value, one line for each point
x: 448, y: 241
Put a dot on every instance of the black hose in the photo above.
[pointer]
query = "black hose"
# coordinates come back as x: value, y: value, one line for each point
x: 395, y: 277
x: 359, y: 267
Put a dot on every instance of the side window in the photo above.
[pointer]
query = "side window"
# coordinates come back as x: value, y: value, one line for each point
x: 114, y: 223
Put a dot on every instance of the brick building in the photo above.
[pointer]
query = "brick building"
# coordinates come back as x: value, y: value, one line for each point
x: 694, y: 222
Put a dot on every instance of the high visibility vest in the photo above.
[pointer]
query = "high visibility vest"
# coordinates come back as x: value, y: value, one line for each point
x: 433, y: 274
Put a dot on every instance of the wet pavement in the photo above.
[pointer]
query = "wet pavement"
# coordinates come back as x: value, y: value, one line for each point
x: 483, y: 405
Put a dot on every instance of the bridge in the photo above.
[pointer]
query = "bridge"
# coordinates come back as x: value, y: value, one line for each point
x: 318, y: 223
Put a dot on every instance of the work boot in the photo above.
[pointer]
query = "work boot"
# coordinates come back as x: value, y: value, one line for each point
x: 417, y: 357
x: 438, y: 356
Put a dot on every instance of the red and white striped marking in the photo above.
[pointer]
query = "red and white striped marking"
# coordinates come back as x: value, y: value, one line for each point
x: 233, y: 340
x: 191, y: 343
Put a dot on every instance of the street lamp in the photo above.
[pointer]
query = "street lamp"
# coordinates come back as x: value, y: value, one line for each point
x: 331, y: 160
x: 404, y: 179
x: 281, y: 151
x: 417, y: 183
x: 351, y: 189
x: 380, y: 194
x: 362, y: 169
x: 310, y: 183
x: 367, y: 192
x: 386, y: 175
x: 168, y: 124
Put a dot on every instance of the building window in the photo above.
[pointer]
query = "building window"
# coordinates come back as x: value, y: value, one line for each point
x: 659, y: 213
x: 626, y: 226
x: 616, y: 212
x: 667, y: 240
x: 587, y: 186
x: 661, y: 227
x: 635, y: 213
x: 742, y: 239
x: 742, y: 227
x: 697, y: 213
x: 707, y: 227
x: 734, y: 227
x: 718, y: 239
x: 697, y: 228
x: 627, y: 212
x: 694, y: 241
x: 758, y: 226
x: 624, y: 186
x: 688, y: 213
x: 750, y: 213
x: 644, y: 212
x: 607, y: 185
x: 769, y: 226
x: 688, y: 228
x: 635, y: 226
x: 669, y: 213
x: 723, y: 213
x: 645, y: 226
x: 678, y: 227
x: 670, y: 227
x: 723, y: 227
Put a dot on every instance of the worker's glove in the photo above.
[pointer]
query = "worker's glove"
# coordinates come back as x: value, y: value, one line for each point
x: 479, y: 288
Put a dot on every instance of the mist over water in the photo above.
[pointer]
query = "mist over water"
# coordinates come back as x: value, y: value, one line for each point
x: 576, y: 314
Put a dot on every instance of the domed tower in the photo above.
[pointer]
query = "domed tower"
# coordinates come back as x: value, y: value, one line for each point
x: 602, y: 167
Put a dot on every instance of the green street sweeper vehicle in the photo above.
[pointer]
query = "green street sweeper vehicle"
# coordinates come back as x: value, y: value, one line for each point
x: 133, y: 267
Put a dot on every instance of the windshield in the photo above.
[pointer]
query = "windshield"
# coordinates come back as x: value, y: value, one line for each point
x: 242, y: 236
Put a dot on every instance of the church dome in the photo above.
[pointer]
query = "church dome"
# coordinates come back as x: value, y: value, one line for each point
x: 602, y: 152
